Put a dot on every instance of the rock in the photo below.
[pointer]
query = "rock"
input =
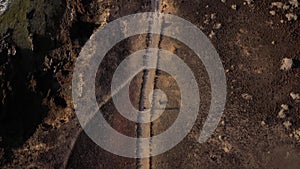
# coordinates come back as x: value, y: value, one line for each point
x: 249, y: 2
x: 291, y: 16
x: 285, y: 7
x: 12, y: 51
x: 246, y: 96
x: 223, y: 1
x: 277, y: 4
x: 234, y: 6
x: 286, y: 64
x: 213, y: 16
x: 295, y: 96
x: 221, y: 138
x: 211, y: 35
x: 281, y: 114
x: 297, y: 134
x: 294, y: 3
x: 272, y: 12
x: 217, y: 26
x: 283, y: 110
x: 285, y: 107
x: 287, y: 124
x: 227, y: 147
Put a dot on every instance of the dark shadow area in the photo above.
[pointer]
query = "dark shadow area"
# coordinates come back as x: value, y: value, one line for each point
x: 25, y: 87
x: 81, y: 30
x: 296, y: 63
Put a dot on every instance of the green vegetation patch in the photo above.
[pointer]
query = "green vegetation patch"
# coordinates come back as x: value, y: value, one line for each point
x: 15, y: 18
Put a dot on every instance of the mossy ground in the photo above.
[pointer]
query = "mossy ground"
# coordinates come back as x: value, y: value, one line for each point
x: 15, y: 19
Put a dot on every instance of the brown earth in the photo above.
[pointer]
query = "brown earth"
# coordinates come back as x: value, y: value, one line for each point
x: 38, y: 127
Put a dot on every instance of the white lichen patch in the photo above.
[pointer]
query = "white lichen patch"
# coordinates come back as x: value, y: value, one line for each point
x: 213, y: 16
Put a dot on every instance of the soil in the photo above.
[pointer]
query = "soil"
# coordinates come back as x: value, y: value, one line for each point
x: 260, y: 127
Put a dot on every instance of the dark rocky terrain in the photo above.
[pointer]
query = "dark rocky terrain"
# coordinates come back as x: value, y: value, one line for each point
x: 260, y: 128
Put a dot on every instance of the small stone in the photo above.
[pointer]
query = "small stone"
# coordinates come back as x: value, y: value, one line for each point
x: 249, y: 1
x: 285, y: 7
x: 262, y: 123
x: 223, y: 123
x: 213, y: 16
x: 283, y: 110
x: 206, y: 21
x: 234, y: 6
x: 294, y: 3
x: 273, y: 42
x: 221, y: 138
x: 273, y: 13
x: 281, y: 114
x: 246, y: 96
x: 287, y: 124
x: 12, y: 51
x: 223, y: 1
x: 217, y: 26
x: 291, y: 16
x: 295, y: 96
x: 285, y: 107
x: 277, y: 4
x: 286, y: 64
x: 297, y: 134
x: 211, y: 35
x: 227, y: 147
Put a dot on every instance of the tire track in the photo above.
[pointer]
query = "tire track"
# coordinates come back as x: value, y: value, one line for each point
x: 151, y: 79
x: 147, y: 98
